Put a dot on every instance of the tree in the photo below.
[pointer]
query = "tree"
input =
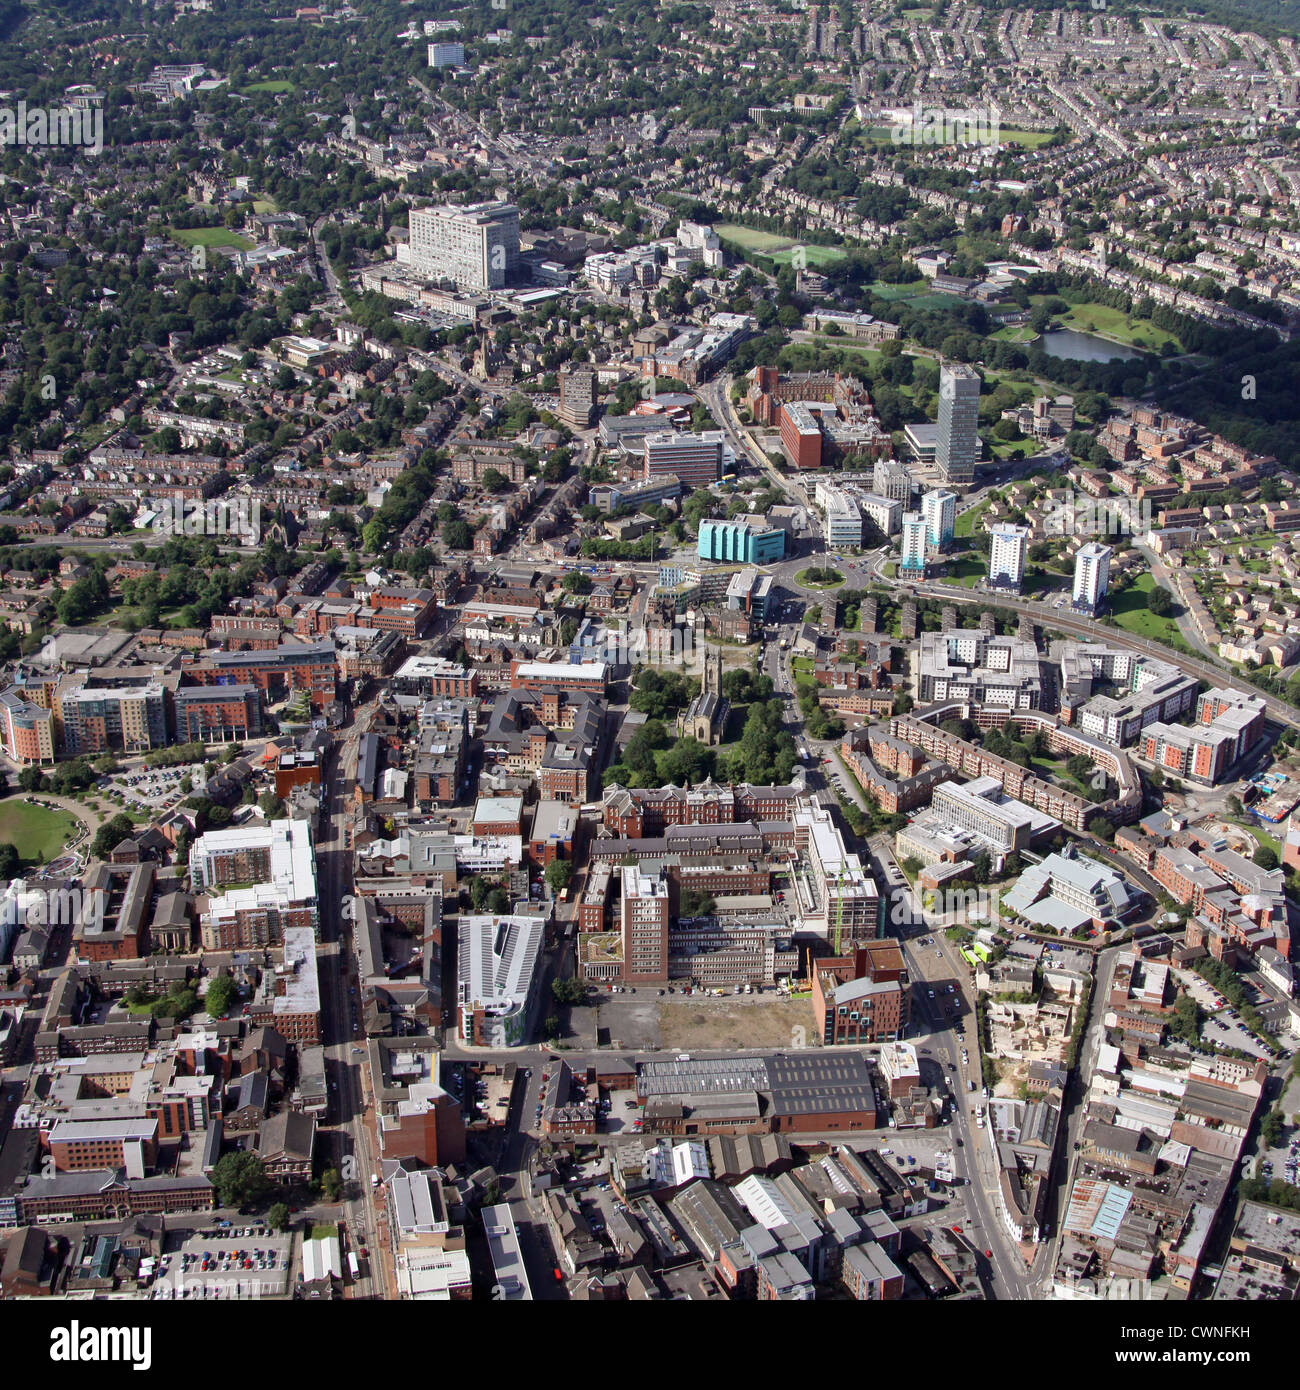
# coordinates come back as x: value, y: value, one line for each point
x: 1265, y: 857
x: 278, y: 1217
x: 240, y: 1179
x: 570, y: 991
x: 498, y: 901
x: 222, y: 992
x: 457, y: 535
x: 558, y: 874
x: 1270, y: 1131
x: 1159, y: 602
x: 111, y: 834
x: 331, y: 1184
x: 31, y: 779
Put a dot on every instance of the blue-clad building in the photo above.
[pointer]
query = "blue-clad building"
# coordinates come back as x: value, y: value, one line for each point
x: 742, y: 542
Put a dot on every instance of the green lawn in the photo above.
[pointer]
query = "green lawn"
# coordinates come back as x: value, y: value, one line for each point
x: 35, y: 830
x: 1030, y: 139
x: 967, y: 522
x: 802, y: 578
x: 1130, y: 612
x: 1013, y: 448
x: 815, y: 255
x: 901, y: 291
x: 209, y: 236
x: 280, y: 86
x: 751, y: 240
x: 1015, y: 333
x: 1115, y: 324
x: 265, y: 205
x: 1054, y: 770
x: 1260, y: 836
x: 966, y: 569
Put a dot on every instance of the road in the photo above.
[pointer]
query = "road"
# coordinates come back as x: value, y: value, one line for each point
x: 944, y: 1026
x: 353, y: 1136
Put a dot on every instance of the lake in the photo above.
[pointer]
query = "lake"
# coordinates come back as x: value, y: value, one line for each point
x: 1083, y: 347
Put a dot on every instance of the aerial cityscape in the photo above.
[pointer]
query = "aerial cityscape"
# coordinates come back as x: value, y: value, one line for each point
x: 649, y: 652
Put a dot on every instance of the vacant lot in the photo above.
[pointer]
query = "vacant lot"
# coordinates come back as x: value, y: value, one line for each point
x: 719, y: 1023
x: 35, y: 830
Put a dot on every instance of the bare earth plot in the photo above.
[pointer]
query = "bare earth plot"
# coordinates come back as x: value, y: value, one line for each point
x: 753, y: 1024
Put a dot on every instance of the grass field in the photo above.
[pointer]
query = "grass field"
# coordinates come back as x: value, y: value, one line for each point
x: 816, y: 255
x: 1130, y: 611
x: 967, y: 522
x: 1030, y: 139
x: 1116, y: 324
x: 966, y: 569
x: 829, y: 340
x: 1015, y: 333
x: 750, y: 240
x: 767, y: 1022
x: 265, y: 205
x: 278, y: 86
x: 1013, y: 448
x: 910, y: 290
x: 209, y: 236
x: 35, y: 830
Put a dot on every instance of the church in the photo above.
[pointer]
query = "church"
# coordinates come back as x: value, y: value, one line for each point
x: 705, y: 718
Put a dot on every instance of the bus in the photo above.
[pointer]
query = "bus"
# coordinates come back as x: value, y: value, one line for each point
x: 354, y: 1269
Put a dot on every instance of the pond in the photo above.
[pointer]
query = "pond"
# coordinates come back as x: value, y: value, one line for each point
x: 1084, y: 347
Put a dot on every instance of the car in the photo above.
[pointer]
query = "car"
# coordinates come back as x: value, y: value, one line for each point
x: 960, y: 1145
x: 930, y: 992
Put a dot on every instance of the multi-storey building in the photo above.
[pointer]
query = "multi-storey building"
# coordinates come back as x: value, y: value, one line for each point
x: 288, y: 999
x: 476, y: 245
x: 499, y: 978
x: 307, y: 666
x: 970, y: 665
x: 1091, y: 576
x: 939, y: 508
x: 645, y: 811
x: 120, y: 711
x: 864, y: 997
x: 644, y: 918
x: 434, y: 676
x: 959, y: 442
x: 743, y: 541
x: 218, y: 714
x: 577, y: 397
x: 695, y: 459
x: 1205, y: 751
x: 26, y: 729
x: 1008, y: 550
x: 912, y: 562
x: 260, y: 882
